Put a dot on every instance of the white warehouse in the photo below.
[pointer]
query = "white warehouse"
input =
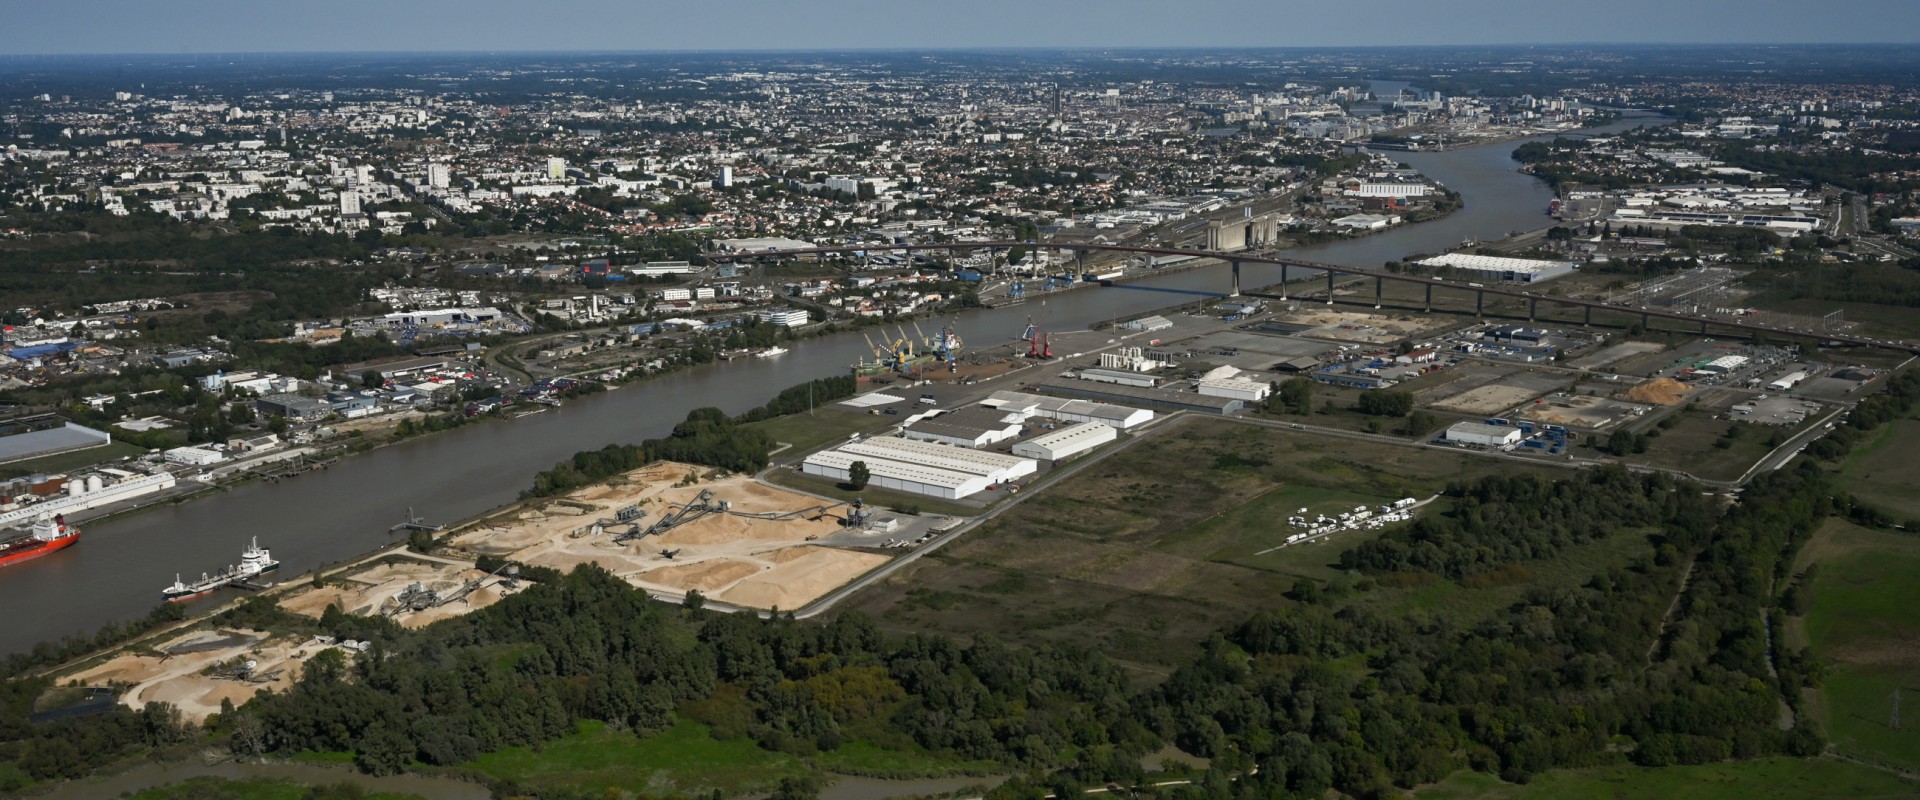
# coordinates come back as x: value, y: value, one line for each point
x: 897, y: 476
x: 996, y: 467
x: 1028, y: 406
x: 1066, y: 442
x: 920, y: 467
x: 1250, y: 391
x: 1483, y: 434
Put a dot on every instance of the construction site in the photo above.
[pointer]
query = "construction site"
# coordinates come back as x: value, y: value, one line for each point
x: 195, y: 671
x: 673, y: 528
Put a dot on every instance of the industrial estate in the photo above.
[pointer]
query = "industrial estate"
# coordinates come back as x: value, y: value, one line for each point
x: 1148, y: 426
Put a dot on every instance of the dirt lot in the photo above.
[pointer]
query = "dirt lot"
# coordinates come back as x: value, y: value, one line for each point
x: 174, y: 674
x: 1350, y: 326
x: 1581, y: 411
x: 739, y: 557
x: 1616, y: 353
x: 1480, y: 389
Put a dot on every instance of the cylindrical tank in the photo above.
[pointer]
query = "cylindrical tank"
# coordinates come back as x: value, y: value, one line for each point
x: 94, y: 484
x: 76, y: 488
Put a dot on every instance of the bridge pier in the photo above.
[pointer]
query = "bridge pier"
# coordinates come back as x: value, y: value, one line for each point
x: 1429, y: 298
x: 1479, y: 303
x: 1588, y: 321
x: 1646, y: 321
x: 1703, y: 327
x: 1329, y: 286
x: 1283, y: 281
x: 1533, y: 305
x: 1235, y: 291
x: 1379, y: 286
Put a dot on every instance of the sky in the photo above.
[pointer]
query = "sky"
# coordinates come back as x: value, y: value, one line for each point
x: 236, y: 26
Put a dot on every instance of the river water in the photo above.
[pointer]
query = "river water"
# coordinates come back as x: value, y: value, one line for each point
x: 326, y: 517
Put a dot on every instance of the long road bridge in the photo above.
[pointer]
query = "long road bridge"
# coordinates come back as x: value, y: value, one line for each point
x: 1286, y: 265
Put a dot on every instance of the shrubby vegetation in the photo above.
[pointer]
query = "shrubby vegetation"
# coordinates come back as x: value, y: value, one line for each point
x: 707, y: 437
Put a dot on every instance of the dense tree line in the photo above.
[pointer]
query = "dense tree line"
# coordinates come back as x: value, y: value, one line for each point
x: 804, y: 397
x: 588, y: 646
x: 706, y: 437
x: 1509, y: 519
x: 1545, y: 683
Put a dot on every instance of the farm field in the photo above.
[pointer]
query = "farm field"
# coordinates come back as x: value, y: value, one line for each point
x: 1881, y: 471
x: 1865, y: 627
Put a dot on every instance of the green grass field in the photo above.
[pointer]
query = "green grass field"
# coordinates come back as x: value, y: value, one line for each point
x: 62, y: 462
x: 1865, y: 626
x: 1689, y: 445
x: 1882, y: 470
x: 1766, y: 779
x: 1142, y: 561
x: 683, y: 760
x: 208, y: 788
x: 826, y: 425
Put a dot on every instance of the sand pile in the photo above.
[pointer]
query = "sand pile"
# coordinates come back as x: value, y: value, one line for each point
x: 1659, y: 392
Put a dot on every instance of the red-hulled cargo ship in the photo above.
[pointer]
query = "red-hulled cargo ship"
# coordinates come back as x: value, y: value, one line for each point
x: 46, y: 536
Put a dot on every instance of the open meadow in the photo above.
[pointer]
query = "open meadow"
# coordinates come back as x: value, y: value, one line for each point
x: 1143, y: 561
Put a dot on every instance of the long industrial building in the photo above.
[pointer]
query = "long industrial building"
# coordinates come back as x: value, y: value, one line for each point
x: 1066, y: 442
x: 967, y: 427
x: 90, y: 492
x: 1152, y: 398
x: 1499, y: 268
x: 998, y: 467
x: 920, y: 467
x: 1028, y: 406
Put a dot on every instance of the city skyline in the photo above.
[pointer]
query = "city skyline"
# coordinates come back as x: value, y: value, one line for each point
x: 224, y: 26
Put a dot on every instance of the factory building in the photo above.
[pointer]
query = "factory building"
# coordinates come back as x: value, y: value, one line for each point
x: 896, y: 475
x: 1483, y: 434
x: 1139, y: 396
x: 92, y: 492
x: 1497, y: 268
x: 1788, y: 381
x: 1117, y: 376
x: 1250, y: 391
x: 996, y: 467
x: 1066, y: 442
x: 1028, y: 406
x: 1148, y: 324
x: 968, y: 427
x: 34, y: 437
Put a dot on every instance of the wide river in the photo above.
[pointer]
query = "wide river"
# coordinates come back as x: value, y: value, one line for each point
x: 326, y: 517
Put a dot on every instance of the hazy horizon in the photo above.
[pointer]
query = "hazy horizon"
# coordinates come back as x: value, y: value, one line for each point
x: 190, y: 27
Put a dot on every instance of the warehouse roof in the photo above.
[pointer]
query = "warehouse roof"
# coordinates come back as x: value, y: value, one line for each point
x: 1498, y: 263
x: 967, y: 423
x: 938, y: 456
x: 1050, y: 406
x: 1482, y: 429
x: 1143, y: 395
x: 1070, y: 434
x: 834, y: 459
